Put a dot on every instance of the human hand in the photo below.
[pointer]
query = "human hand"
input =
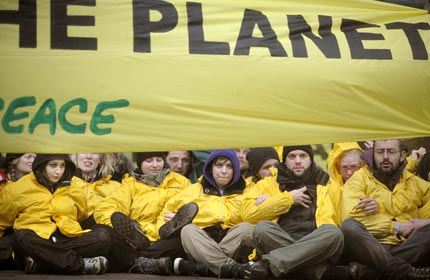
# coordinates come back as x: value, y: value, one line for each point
x: 300, y: 198
x: 168, y: 216
x: 261, y: 199
x: 417, y: 155
x: 368, y: 144
x: 368, y: 205
x: 419, y: 223
x: 406, y: 228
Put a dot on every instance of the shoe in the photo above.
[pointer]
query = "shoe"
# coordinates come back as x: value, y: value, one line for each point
x: 96, y: 265
x: 362, y: 272
x: 419, y: 273
x: 258, y: 270
x: 161, y: 266
x: 183, y: 217
x: 246, y: 247
x: 130, y: 231
x: 31, y: 267
x: 189, y: 268
x: 234, y: 271
x: 337, y: 272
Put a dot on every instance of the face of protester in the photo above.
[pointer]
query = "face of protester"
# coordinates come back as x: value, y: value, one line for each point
x: 298, y: 162
x: 348, y: 165
x: 387, y: 155
x: 88, y: 162
x: 264, y: 170
x: 24, y: 164
x: 241, y: 155
x: 222, y: 171
x: 152, y: 165
x: 54, y: 170
x: 179, y: 161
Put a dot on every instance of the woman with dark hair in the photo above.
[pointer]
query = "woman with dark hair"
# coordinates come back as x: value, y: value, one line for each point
x: 44, y: 209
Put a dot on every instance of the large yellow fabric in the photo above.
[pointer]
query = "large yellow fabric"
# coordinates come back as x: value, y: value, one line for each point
x: 179, y: 75
x: 26, y: 204
x: 410, y: 199
x: 141, y: 202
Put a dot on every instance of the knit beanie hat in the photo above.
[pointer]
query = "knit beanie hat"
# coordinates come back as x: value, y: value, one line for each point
x: 257, y: 157
x: 11, y: 157
x: 140, y: 157
x: 41, y: 158
x: 306, y: 148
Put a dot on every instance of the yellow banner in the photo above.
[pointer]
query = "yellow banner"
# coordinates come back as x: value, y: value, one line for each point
x: 142, y: 75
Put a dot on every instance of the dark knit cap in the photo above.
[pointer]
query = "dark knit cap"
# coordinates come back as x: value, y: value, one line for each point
x: 42, y: 158
x: 140, y: 157
x: 11, y: 157
x: 306, y: 148
x: 257, y: 157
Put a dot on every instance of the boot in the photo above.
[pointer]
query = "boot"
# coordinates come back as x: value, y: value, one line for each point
x: 362, y: 272
x: 189, y: 268
x: 130, y: 231
x: 419, y: 273
x: 96, y: 265
x: 161, y: 266
x: 31, y: 266
x: 233, y: 271
x: 183, y: 217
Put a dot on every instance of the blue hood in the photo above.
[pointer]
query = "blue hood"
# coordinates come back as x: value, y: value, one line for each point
x: 228, y: 153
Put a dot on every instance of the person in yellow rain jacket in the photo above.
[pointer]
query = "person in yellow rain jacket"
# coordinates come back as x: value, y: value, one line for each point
x: 342, y: 162
x: 394, y: 241
x: 260, y: 161
x: 44, y: 210
x: 217, y: 231
x: 93, y: 175
x: 292, y: 211
x: 130, y: 214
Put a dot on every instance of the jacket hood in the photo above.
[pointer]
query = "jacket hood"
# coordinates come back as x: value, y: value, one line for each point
x: 334, y: 157
x: 41, y: 160
x: 228, y: 153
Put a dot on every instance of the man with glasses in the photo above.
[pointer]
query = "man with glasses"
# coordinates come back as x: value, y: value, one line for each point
x: 179, y: 162
x: 393, y: 242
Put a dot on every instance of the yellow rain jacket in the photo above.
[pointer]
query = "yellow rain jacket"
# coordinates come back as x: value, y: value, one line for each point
x: 336, y: 182
x: 410, y: 199
x: 141, y: 202
x: 224, y: 210
x: 26, y: 204
x: 96, y: 190
x: 279, y: 202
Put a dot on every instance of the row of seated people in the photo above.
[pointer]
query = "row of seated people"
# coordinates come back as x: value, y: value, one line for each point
x: 368, y: 215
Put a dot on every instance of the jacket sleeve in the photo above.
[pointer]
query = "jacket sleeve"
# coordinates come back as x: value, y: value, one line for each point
x: 275, y: 205
x: 359, y: 186
x: 70, y: 208
x: 328, y: 209
x: 118, y: 201
x: 8, y: 211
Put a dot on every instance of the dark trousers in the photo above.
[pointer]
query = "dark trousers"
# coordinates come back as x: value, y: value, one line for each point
x: 6, y: 261
x: 393, y: 261
x: 121, y: 255
x: 60, y: 254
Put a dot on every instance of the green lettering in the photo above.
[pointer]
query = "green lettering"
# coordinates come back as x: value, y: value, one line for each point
x: 67, y: 126
x: 1, y: 104
x: 97, y: 117
x: 45, y: 115
x: 11, y: 116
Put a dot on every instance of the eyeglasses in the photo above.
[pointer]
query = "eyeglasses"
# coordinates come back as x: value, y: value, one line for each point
x: 352, y: 168
x: 183, y: 161
x: 391, y: 152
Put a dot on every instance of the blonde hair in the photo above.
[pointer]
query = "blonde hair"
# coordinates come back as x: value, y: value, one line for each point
x: 109, y: 163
